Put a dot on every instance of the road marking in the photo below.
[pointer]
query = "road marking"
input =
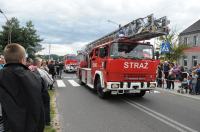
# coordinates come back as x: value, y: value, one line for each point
x: 152, y: 91
x: 73, y: 83
x: 178, y: 126
x: 156, y: 91
x: 60, y: 83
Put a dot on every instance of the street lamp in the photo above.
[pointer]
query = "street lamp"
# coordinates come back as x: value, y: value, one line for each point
x: 9, y: 34
x: 49, y: 51
x: 114, y: 23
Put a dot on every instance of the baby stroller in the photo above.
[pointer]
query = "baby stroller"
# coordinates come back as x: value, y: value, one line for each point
x: 185, y: 81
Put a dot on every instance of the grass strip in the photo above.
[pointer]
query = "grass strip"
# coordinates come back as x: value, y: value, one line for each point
x: 52, y: 112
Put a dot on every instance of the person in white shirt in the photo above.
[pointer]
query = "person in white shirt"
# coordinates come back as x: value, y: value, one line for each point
x: 49, y: 81
x: 43, y: 73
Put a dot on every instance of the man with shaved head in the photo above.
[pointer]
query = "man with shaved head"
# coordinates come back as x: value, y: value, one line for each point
x: 21, y: 93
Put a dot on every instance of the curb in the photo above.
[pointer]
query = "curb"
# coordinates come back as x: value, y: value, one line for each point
x: 197, y: 97
x: 56, y: 120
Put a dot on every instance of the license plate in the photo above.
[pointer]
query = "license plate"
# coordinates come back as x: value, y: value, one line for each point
x: 134, y: 91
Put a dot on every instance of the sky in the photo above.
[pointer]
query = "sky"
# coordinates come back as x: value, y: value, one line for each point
x: 68, y: 25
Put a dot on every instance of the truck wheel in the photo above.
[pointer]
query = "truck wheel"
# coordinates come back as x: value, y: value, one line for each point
x: 141, y: 94
x: 99, y: 89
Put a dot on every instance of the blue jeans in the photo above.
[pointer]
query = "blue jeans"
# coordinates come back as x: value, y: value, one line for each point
x: 197, y: 89
x: 193, y: 88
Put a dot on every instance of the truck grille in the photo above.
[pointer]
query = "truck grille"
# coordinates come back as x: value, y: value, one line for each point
x: 135, y: 77
x: 128, y: 85
x: 122, y: 84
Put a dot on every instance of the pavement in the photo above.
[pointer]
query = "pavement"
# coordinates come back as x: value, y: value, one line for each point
x: 177, y: 84
x: 81, y: 110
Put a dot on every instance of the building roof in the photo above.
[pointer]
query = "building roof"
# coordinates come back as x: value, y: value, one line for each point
x: 194, y: 28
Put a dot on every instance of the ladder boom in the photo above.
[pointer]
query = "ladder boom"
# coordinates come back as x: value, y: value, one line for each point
x: 139, y: 29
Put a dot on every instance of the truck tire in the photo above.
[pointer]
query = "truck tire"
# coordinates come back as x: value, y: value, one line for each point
x: 99, y: 89
x: 141, y: 94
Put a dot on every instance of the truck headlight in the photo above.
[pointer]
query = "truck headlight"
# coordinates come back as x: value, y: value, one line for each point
x: 67, y: 66
x: 114, y: 85
x: 152, y: 85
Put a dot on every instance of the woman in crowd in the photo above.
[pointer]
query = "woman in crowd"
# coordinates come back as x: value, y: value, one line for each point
x: 159, y: 76
x: 171, y: 77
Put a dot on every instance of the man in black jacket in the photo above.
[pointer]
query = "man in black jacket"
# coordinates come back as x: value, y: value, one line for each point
x: 52, y: 71
x: 22, y: 93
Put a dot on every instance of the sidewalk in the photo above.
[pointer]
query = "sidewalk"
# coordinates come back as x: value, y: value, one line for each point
x: 175, y: 91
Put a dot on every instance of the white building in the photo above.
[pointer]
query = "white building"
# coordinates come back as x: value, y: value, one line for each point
x: 191, y: 37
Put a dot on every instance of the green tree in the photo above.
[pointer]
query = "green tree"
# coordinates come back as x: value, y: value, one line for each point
x: 53, y: 57
x: 175, y: 53
x: 25, y: 35
x: 12, y: 24
x: 176, y: 50
x: 30, y: 39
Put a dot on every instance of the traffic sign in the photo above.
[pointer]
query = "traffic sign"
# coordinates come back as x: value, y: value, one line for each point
x: 165, y: 47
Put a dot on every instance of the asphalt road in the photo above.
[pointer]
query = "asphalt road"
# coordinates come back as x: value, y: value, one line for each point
x: 81, y: 110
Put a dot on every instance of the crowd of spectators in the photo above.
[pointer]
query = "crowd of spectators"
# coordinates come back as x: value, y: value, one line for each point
x: 33, y: 78
x: 169, y: 73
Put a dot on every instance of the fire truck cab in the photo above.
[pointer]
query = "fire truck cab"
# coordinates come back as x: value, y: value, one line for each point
x: 70, y: 63
x: 119, y: 67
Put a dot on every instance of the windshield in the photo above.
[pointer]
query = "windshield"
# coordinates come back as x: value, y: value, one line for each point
x: 71, y: 58
x: 135, y: 51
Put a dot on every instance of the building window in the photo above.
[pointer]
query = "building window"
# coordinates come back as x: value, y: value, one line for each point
x: 185, y: 40
x: 195, y: 40
x: 194, y: 60
x: 185, y: 61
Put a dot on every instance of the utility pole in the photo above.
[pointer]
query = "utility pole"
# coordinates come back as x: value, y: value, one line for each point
x: 9, y: 24
x: 49, y: 52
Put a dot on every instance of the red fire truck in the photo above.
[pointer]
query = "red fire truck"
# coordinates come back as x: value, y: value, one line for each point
x: 71, y: 62
x: 122, y: 62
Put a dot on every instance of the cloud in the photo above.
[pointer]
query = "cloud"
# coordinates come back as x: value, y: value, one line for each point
x: 62, y: 49
x: 67, y: 22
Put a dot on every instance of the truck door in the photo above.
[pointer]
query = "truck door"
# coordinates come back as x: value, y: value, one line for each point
x: 94, y: 61
x: 103, y: 56
x: 99, y: 59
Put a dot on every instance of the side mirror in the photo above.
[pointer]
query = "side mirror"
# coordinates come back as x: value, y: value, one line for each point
x: 157, y: 55
x: 102, y: 52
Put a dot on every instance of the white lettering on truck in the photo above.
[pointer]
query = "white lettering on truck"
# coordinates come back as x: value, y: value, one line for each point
x: 136, y: 65
x: 125, y: 64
